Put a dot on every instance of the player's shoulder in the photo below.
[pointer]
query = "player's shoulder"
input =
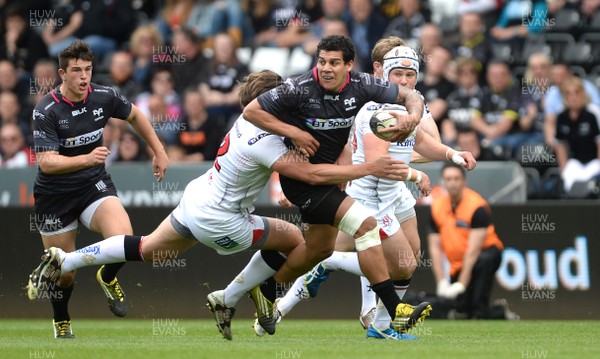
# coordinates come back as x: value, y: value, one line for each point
x: 364, y: 79
x: 103, y: 91
x: 45, y: 104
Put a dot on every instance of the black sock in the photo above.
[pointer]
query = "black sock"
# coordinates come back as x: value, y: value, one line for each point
x: 386, y: 292
x: 269, y: 289
x: 60, y: 302
x: 275, y: 260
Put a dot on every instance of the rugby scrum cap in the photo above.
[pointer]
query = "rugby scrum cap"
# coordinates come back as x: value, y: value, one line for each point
x: 400, y: 57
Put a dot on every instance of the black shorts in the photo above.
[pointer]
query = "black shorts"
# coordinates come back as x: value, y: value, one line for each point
x: 56, y: 211
x: 317, y: 204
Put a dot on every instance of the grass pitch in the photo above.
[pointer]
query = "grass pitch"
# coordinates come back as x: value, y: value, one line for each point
x: 177, y: 338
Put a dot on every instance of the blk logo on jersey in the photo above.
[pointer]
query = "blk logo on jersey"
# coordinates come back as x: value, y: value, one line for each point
x: 82, y: 140
x: 79, y: 112
x: 321, y: 124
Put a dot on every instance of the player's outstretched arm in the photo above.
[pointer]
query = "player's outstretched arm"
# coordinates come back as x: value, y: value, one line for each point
x: 429, y: 126
x: 297, y: 167
x: 142, y: 126
x: 430, y: 148
x: 306, y: 143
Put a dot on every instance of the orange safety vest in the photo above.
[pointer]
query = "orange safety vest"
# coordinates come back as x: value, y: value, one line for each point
x: 454, y: 226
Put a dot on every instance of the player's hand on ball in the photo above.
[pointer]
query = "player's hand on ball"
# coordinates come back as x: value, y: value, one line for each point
x: 454, y: 290
x: 405, y: 124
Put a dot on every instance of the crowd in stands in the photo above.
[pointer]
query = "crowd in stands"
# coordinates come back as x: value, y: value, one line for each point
x: 498, y: 75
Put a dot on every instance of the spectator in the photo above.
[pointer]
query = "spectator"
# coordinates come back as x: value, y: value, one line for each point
x: 430, y: 38
x: 131, y: 148
x: 261, y: 19
x: 589, y: 8
x: 407, y: 25
x: 554, y: 103
x: 518, y: 19
x: 578, y: 135
x: 110, y: 137
x: 434, y: 86
x: 201, y: 134
x: 326, y: 27
x: 102, y: 24
x: 189, y: 67
x: 10, y: 112
x: 13, y: 152
x: 463, y: 100
x: 497, y: 119
x: 166, y: 126
x: 209, y: 18
x: 145, y: 43
x: 463, y: 232
x: 472, y: 41
x: 21, y: 44
x: 487, y: 10
x: 535, y: 85
x: 175, y: 14
x: 121, y: 74
x: 45, y: 78
x: 365, y: 26
x: 161, y: 85
x: 467, y: 139
x: 286, y: 26
x: 10, y: 81
x: 220, y: 86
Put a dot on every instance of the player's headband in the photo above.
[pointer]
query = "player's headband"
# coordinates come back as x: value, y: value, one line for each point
x: 400, y: 57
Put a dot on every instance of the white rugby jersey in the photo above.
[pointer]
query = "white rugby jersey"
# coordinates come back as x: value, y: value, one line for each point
x: 242, y: 167
x: 373, y: 189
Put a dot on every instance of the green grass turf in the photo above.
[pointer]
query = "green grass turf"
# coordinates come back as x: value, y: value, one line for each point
x: 173, y: 338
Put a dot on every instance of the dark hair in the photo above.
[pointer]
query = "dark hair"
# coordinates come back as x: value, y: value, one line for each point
x: 454, y: 165
x: 338, y: 43
x: 77, y: 50
x: 257, y: 83
x: 15, y: 10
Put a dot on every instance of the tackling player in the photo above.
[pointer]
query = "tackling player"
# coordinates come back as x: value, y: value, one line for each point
x: 72, y: 184
x: 216, y: 210
x: 391, y: 201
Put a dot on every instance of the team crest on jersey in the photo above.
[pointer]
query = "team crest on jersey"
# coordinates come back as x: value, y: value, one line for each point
x: 226, y: 243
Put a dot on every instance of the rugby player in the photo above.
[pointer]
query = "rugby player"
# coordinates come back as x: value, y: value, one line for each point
x: 315, y: 112
x: 216, y: 210
x: 72, y: 184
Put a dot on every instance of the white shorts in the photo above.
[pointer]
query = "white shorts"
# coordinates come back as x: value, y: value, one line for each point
x: 389, y: 215
x: 225, y: 231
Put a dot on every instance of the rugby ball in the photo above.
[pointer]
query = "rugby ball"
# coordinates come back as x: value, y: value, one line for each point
x: 382, y: 119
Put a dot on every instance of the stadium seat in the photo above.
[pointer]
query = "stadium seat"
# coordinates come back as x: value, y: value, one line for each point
x: 558, y: 41
x: 566, y: 20
x: 578, y: 54
x: 595, y: 23
x: 269, y: 58
x: 533, y: 182
x: 449, y: 25
x: 592, y: 38
x: 531, y: 48
x: 299, y: 62
x: 244, y: 54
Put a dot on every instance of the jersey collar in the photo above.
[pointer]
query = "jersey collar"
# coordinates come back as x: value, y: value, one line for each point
x: 58, y: 97
x: 316, y: 77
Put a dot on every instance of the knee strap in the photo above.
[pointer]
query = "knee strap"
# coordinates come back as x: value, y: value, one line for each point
x: 368, y: 240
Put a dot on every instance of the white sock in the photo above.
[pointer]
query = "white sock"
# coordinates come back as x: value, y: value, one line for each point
x: 382, y: 317
x: 110, y: 250
x: 343, y: 261
x: 369, y: 298
x: 296, y: 293
x: 255, y: 272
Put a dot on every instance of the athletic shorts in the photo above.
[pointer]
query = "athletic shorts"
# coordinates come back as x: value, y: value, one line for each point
x: 390, y: 215
x: 317, y: 204
x: 221, y: 229
x: 58, y: 213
